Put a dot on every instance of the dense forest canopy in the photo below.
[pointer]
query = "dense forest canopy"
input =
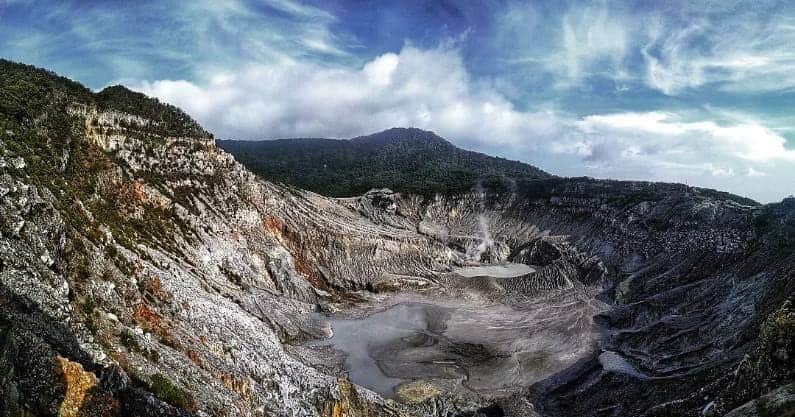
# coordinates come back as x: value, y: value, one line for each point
x: 405, y: 160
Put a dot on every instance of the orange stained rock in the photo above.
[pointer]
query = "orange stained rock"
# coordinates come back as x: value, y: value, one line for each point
x: 278, y: 229
x: 146, y: 317
x: 274, y: 225
x: 350, y: 403
x: 78, y: 383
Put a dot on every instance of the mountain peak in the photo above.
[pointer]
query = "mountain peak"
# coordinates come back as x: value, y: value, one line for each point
x: 402, y: 134
x: 407, y: 160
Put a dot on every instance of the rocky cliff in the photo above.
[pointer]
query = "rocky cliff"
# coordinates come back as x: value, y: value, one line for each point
x: 143, y: 271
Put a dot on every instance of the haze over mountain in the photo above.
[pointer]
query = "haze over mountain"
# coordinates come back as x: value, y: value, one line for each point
x: 405, y: 160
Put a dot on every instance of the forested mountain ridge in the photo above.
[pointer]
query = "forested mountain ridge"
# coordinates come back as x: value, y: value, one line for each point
x: 407, y: 160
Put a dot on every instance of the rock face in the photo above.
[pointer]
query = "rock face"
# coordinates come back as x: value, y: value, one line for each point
x: 695, y: 280
x: 159, y: 265
x: 144, y: 272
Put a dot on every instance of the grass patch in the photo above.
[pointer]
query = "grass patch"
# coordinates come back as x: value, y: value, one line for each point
x: 129, y: 341
x: 169, y: 392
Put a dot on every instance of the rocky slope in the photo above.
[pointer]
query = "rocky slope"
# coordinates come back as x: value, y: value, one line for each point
x: 149, y: 274
x: 143, y: 271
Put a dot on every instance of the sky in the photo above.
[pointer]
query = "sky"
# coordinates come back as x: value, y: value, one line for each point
x: 697, y: 92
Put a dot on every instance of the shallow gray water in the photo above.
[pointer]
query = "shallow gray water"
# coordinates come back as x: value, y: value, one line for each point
x: 613, y: 362
x: 488, y: 348
x: 506, y: 270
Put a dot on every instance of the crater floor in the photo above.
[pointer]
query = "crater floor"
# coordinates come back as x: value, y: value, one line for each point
x: 465, y: 345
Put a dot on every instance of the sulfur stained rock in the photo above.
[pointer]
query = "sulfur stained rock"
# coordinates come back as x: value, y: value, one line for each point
x: 351, y: 404
x: 417, y: 392
x: 79, y: 384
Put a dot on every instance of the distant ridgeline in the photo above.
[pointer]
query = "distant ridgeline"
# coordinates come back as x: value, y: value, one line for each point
x: 405, y: 160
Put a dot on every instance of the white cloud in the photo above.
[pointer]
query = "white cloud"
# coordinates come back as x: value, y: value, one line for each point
x: 423, y: 88
x: 191, y: 38
x: 738, y: 56
x: 663, y: 146
x: 729, y: 47
x: 583, y: 42
x: 659, y: 134
x: 751, y: 172
x: 591, y: 39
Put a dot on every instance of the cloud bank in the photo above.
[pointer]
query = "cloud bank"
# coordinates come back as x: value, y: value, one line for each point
x: 429, y: 89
